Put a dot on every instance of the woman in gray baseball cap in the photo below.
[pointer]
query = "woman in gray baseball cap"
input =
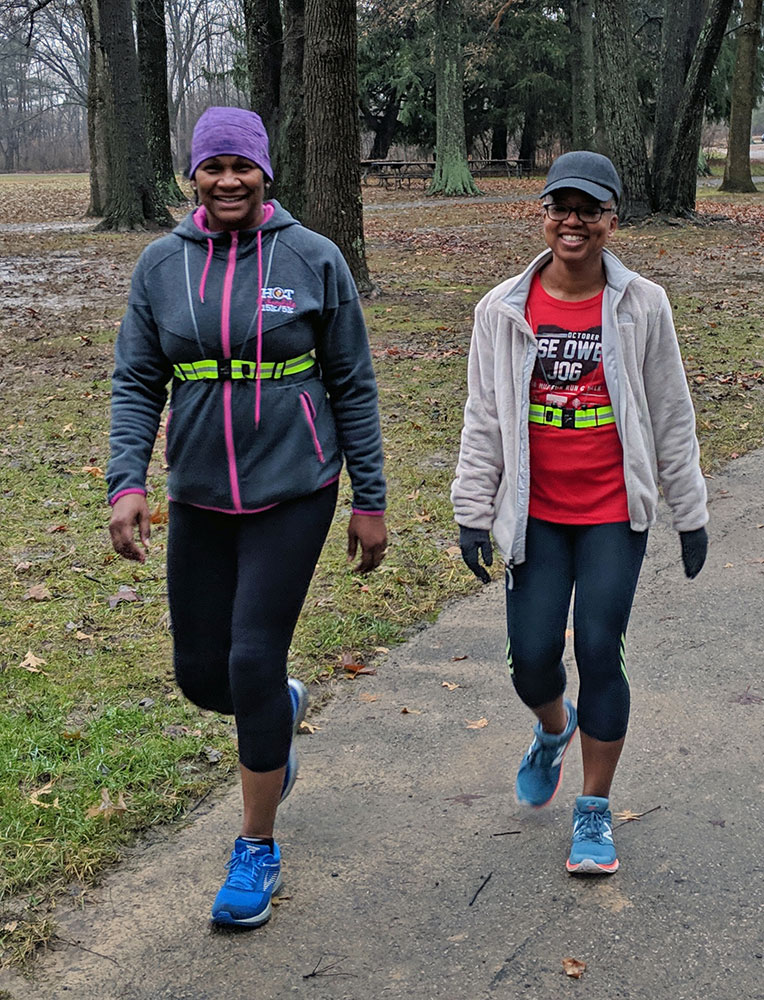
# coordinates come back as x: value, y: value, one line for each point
x: 578, y: 412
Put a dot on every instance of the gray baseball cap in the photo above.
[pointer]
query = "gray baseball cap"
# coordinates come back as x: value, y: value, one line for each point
x: 585, y: 171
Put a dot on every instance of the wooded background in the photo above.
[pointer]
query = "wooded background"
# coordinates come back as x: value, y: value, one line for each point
x: 114, y: 87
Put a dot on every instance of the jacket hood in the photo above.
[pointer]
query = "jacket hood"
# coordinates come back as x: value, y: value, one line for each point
x: 188, y: 229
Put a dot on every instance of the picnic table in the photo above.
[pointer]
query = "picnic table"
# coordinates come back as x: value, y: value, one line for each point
x: 400, y: 173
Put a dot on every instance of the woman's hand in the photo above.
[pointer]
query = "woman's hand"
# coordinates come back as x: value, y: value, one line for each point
x: 370, y: 531
x: 129, y: 511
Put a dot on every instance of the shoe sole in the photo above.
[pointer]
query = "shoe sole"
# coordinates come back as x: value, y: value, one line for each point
x: 591, y: 867
x: 225, y: 919
x: 540, y: 805
x: 303, y: 700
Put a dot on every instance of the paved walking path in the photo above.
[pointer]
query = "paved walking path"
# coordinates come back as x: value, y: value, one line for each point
x: 399, y: 818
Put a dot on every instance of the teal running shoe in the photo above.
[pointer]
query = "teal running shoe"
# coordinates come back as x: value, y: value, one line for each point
x: 593, y: 850
x: 540, y: 772
x: 300, y: 699
x: 254, y: 875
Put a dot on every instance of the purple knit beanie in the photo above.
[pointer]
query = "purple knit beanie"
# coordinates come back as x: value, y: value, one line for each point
x: 230, y: 132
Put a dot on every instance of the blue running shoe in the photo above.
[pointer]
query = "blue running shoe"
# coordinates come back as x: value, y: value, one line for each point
x: 300, y: 698
x: 253, y: 877
x: 540, y: 772
x: 593, y: 850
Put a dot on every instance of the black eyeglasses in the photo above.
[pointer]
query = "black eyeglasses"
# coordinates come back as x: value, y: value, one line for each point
x: 559, y: 213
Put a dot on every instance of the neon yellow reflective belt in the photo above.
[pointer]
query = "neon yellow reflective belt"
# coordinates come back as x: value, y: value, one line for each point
x: 554, y: 416
x: 233, y: 368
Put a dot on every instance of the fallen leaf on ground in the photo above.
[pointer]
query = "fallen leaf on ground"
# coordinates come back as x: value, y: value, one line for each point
x: 56, y: 527
x: 381, y: 649
x: 308, y: 727
x: 627, y: 816
x: 275, y: 900
x: 477, y: 723
x: 93, y: 470
x: 410, y: 711
x: 453, y: 551
x: 106, y: 808
x: 32, y: 663
x: 354, y: 667
x: 573, y: 967
x: 83, y: 636
x: 10, y: 927
x: 365, y: 696
x: 159, y: 515
x: 450, y: 685
x: 456, y: 659
x: 34, y: 798
x: 123, y: 594
x: 214, y: 756
x: 38, y: 592
x: 22, y: 567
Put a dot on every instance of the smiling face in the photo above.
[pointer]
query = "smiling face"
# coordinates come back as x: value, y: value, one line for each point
x: 573, y: 242
x: 232, y: 190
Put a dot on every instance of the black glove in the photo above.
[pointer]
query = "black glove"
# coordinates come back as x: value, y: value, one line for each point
x: 694, y: 549
x: 474, y: 542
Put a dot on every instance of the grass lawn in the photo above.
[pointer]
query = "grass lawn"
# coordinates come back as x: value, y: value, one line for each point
x: 96, y: 743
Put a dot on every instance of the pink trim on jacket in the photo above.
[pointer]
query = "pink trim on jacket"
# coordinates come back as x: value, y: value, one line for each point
x: 123, y: 493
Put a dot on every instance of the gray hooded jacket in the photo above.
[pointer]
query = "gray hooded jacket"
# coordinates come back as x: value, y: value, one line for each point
x: 277, y: 292
x: 647, y: 386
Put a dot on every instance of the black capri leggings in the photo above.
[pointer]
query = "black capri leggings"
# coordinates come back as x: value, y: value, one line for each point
x: 236, y: 584
x: 603, y: 561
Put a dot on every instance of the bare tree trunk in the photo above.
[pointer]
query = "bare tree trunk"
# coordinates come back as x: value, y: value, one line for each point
x: 617, y: 86
x: 582, y: 73
x: 96, y: 113
x: 682, y: 23
x: 529, y: 135
x: 289, y: 143
x: 499, y: 142
x: 384, y: 132
x: 676, y: 177
x: 132, y: 202
x: 452, y: 175
x: 333, y: 204
x: 152, y: 66
x: 737, y: 169
x: 263, y: 31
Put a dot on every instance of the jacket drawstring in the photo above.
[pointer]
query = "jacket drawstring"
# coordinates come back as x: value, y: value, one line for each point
x: 203, y: 282
x: 259, y: 325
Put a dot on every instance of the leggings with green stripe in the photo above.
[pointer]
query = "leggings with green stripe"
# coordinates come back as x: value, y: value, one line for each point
x: 602, y: 562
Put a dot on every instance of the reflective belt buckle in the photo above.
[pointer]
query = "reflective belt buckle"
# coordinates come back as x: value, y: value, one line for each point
x: 568, y: 420
x: 244, y: 369
x: 549, y: 414
x: 224, y: 369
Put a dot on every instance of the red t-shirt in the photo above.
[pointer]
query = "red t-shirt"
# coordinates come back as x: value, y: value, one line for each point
x: 576, y: 473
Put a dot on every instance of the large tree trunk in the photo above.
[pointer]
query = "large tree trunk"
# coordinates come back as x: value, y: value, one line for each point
x: 675, y: 179
x: 737, y: 169
x: 499, y: 142
x: 152, y: 66
x: 288, y: 157
x: 582, y: 73
x: 682, y: 23
x: 384, y: 127
x: 99, y: 177
x: 132, y: 202
x: 623, y: 141
x: 529, y: 135
x: 452, y: 175
x: 333, y: 203
x: 263, y: 31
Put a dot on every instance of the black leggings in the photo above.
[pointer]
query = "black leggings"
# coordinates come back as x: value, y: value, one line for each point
x: 236, y: 584
x: 603, y: 561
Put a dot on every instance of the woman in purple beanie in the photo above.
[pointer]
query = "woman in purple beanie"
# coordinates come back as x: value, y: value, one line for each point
x: 256, y: 323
